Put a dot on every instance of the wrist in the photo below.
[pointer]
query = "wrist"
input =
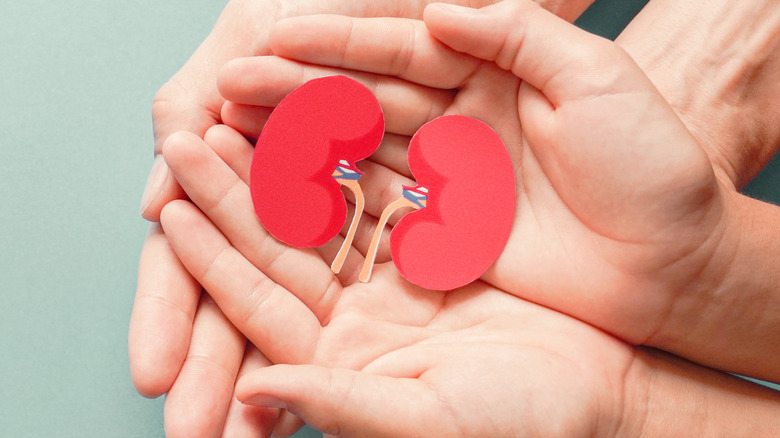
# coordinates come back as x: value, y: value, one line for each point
x: 718, y: 65
x: 668, y: 396
x: 652, y: 405
x: 729, y: 317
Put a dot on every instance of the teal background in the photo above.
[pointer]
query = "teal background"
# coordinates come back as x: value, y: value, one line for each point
x: 76, y: 84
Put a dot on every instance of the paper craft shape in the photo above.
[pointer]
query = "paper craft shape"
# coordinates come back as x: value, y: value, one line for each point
x: 465, y: 204
x: 307, y: 149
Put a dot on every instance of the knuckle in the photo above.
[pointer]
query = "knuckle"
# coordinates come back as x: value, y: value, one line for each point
x: 402, y: 58
x: 325, y: 301
x: 165, y: 100
x: 222, y: 202
x: 209, y: 365
x: 259, y: 294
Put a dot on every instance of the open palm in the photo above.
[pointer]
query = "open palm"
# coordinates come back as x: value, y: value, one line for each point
x: 615, y: 221
x: 419, y: 351
x: 600, y: 219
x: 487, y: 364
x: 606, y: 253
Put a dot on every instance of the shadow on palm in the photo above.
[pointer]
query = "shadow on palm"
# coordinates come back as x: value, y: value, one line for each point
x: 619, y: 211
x: 434, y: 345
x: 425, y: 348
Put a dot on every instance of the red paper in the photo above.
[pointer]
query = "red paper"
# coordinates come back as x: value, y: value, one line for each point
x: 319, y: 123
x: 470, y: 207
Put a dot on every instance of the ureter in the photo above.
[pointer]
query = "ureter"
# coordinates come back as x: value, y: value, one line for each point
x: 368, y: 264
x: 360, y: 202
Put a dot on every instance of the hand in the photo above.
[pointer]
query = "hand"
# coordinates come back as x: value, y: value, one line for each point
x: 642, y: 216
x: 167, y: 296
x: 190, y: 100
x: 474, y: 362
x: 174, y: 155
x: 392, y: 328
x: 719, y: 67
x: 162, y: 280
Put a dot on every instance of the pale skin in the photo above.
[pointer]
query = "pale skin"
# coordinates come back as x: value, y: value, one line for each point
x: 474, y: 362
x: 717, y: 64
x: 636, y: 88
x: 167, y: 296
x: 564, y: 346
x: 175, y: 286
x: 634, y: 238
x: 480, y: 322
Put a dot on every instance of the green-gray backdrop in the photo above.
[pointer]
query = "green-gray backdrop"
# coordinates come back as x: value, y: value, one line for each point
x: 76, y: 84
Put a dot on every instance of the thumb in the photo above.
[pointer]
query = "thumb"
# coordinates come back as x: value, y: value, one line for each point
x: 552, y: 55
x: 190, y: 101
x: 349, y: 403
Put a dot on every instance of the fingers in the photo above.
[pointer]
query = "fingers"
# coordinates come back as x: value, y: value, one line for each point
x: 265, y: 81
x: 392, y: 154
x: 686, y: 49
x: 237, y: 152
x: 175, y: 109
x: 387, y: 46
x: 348, y: 403
x: 349, y: 270
x: 592, y: 118
x: 226, y: 200
x: 161, y: 188
x: 232, y: 148
x: 362, y: 240
x: 161, y: 324
x: 189, y: 101
x: 271, y: 317
x: 381, y: 186
x: 559, y: 59
x: 247, y: 420
x: 287, y: 425
x: 199, y: 399
x: 249, y: 120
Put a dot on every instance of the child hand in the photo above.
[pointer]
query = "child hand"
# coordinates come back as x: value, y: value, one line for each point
x: 190, y: 101
x: 621, y: 221
x: 386, y: 358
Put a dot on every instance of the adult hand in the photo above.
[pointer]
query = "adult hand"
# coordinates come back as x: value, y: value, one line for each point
x: 718, y: 65
x: 167, y: 287
x: 637, y: 211
x: 386, y: 358
x: 167, y: 296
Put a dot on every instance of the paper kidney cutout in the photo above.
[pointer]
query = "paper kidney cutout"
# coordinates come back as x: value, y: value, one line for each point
x: 466, y: 205
x: 315, y: 133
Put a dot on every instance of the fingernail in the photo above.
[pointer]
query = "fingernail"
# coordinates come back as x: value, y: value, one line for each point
x: 453, y: 9
x: 157, y: 177
x: 265, y: 401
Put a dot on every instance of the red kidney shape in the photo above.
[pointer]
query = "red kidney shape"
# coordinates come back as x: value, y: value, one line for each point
x: 321, y: 122
x: 470, y: 207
